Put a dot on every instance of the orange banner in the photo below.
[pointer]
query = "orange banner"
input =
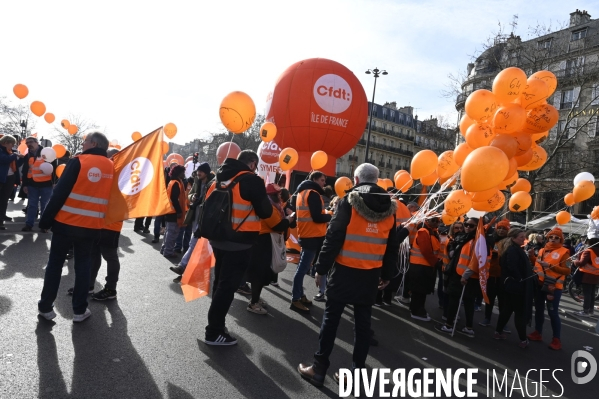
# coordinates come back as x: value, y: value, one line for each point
x: 195, y: 282
x: 139, y: 187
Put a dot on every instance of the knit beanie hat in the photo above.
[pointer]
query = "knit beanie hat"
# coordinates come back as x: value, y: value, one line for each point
x: 204, y: 167
x: 556, y: 231
x: 504, y: 223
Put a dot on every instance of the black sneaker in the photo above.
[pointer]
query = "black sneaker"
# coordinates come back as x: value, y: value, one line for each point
x: 70, y: 255
x: 222, y: 339
x: 146, y: 231
x: 155, y: 240
x: 245, y: 289
x: 104, y: 294
x: 70, y: 290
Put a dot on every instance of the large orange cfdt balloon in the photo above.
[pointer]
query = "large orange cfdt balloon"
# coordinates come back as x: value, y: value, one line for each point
x: 319, y: 104
x: 423, y: 164
x: 237, y: 112
x: 21, y: 91
x: 484, y: 168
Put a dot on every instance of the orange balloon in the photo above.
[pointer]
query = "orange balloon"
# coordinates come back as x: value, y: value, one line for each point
x: 520, y: 201
x: 484, y: 168
x: 595, y: 213
x: 539, y: 137
x: 381, y: 183
x: 508, y: 84
x: 65, y: 124
x: 398, y: 173
x: 49, y: 117
x: 547, y: 77
x: 465, y: 123
x: 389, y: 182
x: 447, y: 219
x: 507, y: 144
x: 583, y: 191
x: 38, y: 108
x: 446, y: 165
x: 60, y: 169
x: 226, y: 150
x: 508, y: 182
x: 461, y: 152
x: 21, y: 91
x: 237, y: 112
x: 483, y: 195
x: 524, y: 143
x: 72, y: 129
x: 508, y: 119
x: 541, y: 119
x: 60, y: 150
x: 118, y: 147
x: 457, y: 203
x: 403, y: 182
x: 569, y: 199
x: 136, y: 136
x: 429, y: 180
x: 494, y: 203
x: 524, y: 159
x: 538, y: 159
x: 563, y: 217
x: 319, y: 160
x: 423, y: 164
x: 175, y: 158
x: 535, y: 93
x: 288, y: 158
x: 521, y: 185
x: 268, y: 131
x: 165, y: 147
x: 481, y: 105
x: 170, y: 130
x: 479, y: 135
x: 342, y: 185
x: 513, y: 168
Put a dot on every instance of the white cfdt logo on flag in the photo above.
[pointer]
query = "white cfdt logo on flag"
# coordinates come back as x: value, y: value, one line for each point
x: 580, y: 366
x: 332, y: 93
x: 136, y: 176
x: 94, y: 174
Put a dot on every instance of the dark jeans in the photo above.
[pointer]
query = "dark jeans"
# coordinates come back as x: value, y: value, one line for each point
x: 440, y: 293
x: 417, y: 304
x: 113, y: 266
x: 516, y: 304
x: 140, y: 225
x: 184, y: 238
x: 83, y: 260
x: 471, y: 290
x: 328, y: 332
x: 588, y: 290
x: 556, y: 322
x: 228, y: 273
x: 158, y: 222
x: 493, y: 292
x: 6, y: 189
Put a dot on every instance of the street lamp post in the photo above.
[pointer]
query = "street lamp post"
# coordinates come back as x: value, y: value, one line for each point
x: 376, y: 74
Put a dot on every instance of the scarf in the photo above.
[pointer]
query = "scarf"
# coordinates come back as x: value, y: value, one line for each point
x: 552, y: 246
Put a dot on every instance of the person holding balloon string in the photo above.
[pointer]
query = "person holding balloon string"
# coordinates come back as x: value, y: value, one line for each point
x: 9, y: 174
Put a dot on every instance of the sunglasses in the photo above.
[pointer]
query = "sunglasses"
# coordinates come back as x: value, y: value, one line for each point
x: 553, y: 238
x: 471, y: 226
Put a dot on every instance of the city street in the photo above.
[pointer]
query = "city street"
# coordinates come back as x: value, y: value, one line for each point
x: 148, y: 342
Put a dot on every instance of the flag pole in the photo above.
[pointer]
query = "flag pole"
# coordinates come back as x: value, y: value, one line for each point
x: 455, y: 320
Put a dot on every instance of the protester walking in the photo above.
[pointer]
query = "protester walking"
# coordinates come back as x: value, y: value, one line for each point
x: 588, y: 275
x: 9, y: 175
x: 174, y: 220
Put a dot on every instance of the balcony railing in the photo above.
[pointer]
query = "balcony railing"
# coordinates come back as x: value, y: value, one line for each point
x: 391, y: 133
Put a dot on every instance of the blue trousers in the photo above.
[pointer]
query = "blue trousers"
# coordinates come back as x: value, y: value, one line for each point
x: 556, y: 322
x: 36, y: 195
x: 306, y: 258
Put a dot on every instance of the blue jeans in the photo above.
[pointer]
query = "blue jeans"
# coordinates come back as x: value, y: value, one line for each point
x: 556, y: 323
x: 36, y: 195
x: 168, y: 244
x: 183, y: 238
x: 328, y: 332
x: 158, y: 225
x: 306, y: 258
x: 83, y: 261
x: 192, y: 245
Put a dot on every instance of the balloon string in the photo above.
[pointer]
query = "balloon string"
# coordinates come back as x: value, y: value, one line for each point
x: 229, y: 147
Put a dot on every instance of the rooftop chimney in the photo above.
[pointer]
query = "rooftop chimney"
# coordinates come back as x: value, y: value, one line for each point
x: 579, y: 17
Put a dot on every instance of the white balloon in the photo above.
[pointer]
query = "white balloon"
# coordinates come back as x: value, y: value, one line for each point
x: 48, y: 154
x: 188, y: 169
x: 472, y: 213
x: 584, y: 176
x: 46, y: 168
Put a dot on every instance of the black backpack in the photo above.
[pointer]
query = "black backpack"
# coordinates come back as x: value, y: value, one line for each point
x: 215, y: 222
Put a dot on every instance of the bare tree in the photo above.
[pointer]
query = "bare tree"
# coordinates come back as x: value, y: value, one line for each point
x: 12, y: 116
x: 73, y: 142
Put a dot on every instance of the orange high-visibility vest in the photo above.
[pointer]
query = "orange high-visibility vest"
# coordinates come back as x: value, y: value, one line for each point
x: 464, y: 260
x: 35, y: 172
x: 273, y: 220
x: 240, y: 208
x: 412, y: 230
x: 402, y: 214
x: 87, y: 203
x: 365, y: 242
x: 116, y: 226
x: 553, y: 259
x: 593, y: 267
x: 416, y: 256
x: 306, y: 227
x: 182, y: 199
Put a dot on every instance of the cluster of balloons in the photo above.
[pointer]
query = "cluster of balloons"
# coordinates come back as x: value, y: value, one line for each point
x: 38, y: 108
x: 584, y: 188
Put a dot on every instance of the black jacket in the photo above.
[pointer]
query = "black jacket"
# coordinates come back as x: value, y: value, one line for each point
x: 30, y: 182
x: 315, y: 205
x: 59, y: 196
x: 515, y: 269
x: 251, y: 188
x: 350, y: 285
x: 5, y: 161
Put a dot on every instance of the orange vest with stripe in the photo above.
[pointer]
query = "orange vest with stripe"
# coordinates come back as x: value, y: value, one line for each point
x: 116, y: 226
x: 593, y: 267
x: 240, y: 208
x: 87, y: 203
x: 553, y: 259
x: 273, y: 220
x: 416, y: 256
x: 402, y: 215
x: 413, y: 231
x: 306, y: 227
x: 35, y: 172
x: 464, y: 261
x: 365, y: 242
x: 182, y: 199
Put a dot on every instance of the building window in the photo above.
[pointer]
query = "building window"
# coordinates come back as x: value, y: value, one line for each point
x: 384, y: 113
x: 579, y: 34
x: 544, y: 44
x: 567, y: 99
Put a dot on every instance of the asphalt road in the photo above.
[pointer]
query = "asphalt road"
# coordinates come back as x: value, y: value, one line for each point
x: 147, y: 343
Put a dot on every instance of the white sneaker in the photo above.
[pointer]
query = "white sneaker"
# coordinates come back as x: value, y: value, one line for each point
x: 422, y: 318
x: 402, y: 299
x: 468, y: 331
x: 49, y: 315
x: 78, y: 318
x: 256, y: 308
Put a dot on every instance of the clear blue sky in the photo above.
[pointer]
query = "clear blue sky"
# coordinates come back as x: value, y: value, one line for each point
x: 133, y: 66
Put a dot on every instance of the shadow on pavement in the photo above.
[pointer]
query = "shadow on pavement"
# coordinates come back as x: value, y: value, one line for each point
x: 5, y: 305
x: 176, y: 392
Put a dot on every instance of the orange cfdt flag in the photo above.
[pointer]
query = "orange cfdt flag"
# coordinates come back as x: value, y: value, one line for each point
x: 479, y: 260
x: 195, y: 282
x: 139, y: 186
